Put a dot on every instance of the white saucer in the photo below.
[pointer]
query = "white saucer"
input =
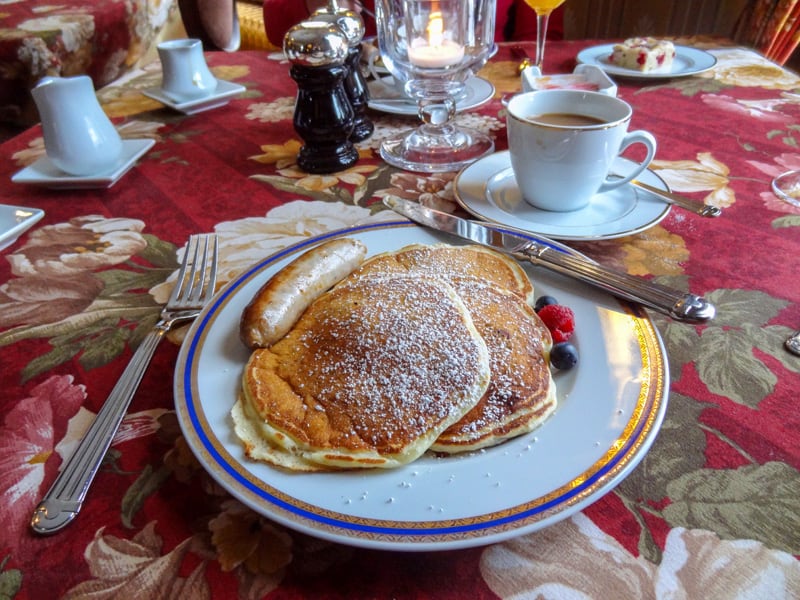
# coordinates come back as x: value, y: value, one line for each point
x: 14, y: 220
x: 384, y: 98
x: 687, y: 61
x: 44, y: 173
x: 225, y: 91
x: 487, y: 189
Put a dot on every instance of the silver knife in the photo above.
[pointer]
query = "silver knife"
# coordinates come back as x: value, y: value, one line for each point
x: 543, y: 252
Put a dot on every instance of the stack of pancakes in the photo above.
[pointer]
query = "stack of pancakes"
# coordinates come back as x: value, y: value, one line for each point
x: 426, y: 348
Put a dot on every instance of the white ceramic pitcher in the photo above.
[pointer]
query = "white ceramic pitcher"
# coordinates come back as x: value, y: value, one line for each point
x: 185, y: 74
x: 78, y: 136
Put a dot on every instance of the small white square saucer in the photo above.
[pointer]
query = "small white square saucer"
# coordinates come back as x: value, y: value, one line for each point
x: 44, y: 173
x: 584, y: 77
x: 14, y: 220
x: 225, y: 91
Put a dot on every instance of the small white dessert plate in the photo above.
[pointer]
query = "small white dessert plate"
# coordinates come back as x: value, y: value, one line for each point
x: 488, y: 190
x: 687, y: 61
x: 44, y: 173
x: 14, y: 221
x: 225, y: 91
x: 384, y: 98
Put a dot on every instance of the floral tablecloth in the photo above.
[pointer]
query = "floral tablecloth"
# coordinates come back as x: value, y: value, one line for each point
x: 713, y: 510
x: 100, y: 38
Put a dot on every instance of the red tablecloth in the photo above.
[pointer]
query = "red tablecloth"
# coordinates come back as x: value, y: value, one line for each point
x: 100, y: 38
x: 713, y: 510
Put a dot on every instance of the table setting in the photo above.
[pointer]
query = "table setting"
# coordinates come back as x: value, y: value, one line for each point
x: 670, y: 463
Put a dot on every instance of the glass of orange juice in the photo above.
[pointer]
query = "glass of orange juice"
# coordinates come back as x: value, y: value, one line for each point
x: 543, y: 9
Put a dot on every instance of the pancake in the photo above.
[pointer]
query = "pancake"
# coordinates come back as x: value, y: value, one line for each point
x: 452, y: 262
x: 370, y: 375
x: 521, y: 393
x: 258, y: 446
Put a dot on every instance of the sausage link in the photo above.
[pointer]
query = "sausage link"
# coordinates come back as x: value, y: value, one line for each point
x: 275, y: 308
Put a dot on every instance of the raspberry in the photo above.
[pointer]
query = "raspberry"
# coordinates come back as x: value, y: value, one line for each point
x: 560, y: 320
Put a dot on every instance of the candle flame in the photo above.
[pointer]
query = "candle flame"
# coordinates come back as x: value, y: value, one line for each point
x: 435, y: 29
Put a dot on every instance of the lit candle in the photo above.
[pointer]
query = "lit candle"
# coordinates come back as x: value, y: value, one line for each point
x: 435, y: 52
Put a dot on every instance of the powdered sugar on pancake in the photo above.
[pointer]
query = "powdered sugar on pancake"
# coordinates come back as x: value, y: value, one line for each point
x: 372, y: 373
x: 429, y: 347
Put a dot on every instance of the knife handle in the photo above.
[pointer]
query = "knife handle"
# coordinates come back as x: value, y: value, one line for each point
x: 679, y: 305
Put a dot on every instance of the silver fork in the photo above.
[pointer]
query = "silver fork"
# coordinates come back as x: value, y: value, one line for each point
x: 193, y: 289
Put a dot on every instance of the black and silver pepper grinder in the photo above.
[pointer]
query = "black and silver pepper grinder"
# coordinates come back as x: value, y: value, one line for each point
x: 323, y: 115
x: 352, y: 26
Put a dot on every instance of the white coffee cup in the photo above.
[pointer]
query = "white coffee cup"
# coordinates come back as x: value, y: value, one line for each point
x: 563, y: 143
x: 185, y: 74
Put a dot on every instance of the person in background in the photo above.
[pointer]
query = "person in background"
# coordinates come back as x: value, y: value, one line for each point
x: 515, y: 20
x: 281, y: 15
x: 215, y: 22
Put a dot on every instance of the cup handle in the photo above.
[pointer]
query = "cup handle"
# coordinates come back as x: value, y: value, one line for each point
x: 373, y: 55
x: 391, y: 84
x: 634, y: 137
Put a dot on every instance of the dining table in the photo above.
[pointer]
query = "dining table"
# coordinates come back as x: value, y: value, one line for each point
x: 670, y: 468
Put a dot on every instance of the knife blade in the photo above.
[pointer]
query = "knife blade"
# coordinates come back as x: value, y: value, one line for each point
x: 541, y: 251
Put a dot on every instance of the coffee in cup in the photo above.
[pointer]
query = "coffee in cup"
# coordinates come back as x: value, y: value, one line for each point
x: 567, y: 119
x: 563, y: 143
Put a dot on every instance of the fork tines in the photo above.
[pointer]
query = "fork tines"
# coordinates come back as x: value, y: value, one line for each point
x: 201, y: 253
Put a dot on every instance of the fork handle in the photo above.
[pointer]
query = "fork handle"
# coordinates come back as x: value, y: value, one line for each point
x: 65, y: 497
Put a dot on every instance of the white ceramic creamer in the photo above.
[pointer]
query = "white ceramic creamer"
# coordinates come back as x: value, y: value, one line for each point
x: 78, y: 136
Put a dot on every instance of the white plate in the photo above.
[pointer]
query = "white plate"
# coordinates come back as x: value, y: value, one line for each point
x: 44, y: 173
x: 477, y: 92
x: 225, y: 91
x: 487, y: 189
x: 14, y: 221
x: 610, y: 409
x: 687, y: 61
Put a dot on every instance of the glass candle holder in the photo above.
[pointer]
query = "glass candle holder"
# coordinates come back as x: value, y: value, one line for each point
x: 433, y: 47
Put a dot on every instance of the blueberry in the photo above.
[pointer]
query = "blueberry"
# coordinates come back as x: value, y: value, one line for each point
x: 543, y: 301
x: 563, y: 356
